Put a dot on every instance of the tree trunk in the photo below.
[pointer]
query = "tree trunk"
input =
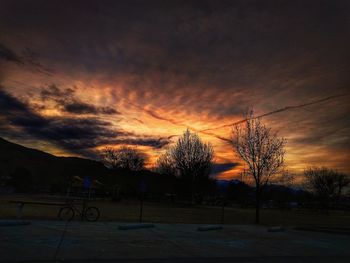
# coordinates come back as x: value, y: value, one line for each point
x: 257, y: 204
x: 193, y: 190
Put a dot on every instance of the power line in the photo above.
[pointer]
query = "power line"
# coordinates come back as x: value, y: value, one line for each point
x: 277, y: 111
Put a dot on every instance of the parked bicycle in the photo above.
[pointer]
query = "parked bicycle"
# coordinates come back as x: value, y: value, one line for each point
x: 68, y: 212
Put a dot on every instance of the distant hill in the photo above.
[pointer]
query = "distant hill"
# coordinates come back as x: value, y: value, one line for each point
x: 42, y: 170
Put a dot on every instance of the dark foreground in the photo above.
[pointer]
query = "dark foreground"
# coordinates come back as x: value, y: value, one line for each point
x: 277, y: 259
x: 104, y: 242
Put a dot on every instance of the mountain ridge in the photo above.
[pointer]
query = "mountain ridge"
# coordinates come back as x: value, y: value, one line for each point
x: 45, y: 168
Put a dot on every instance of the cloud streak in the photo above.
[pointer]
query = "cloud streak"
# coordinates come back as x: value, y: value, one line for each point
x: 140, y: 72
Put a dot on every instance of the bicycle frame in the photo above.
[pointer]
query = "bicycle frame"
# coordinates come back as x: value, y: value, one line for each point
x: 80, y: 212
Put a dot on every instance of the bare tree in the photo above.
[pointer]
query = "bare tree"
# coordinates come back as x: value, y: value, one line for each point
x: 123, y: 158
x: 190, y: 159
x: 262, y: 150
x: 326, y: 184
x: 165, y: 164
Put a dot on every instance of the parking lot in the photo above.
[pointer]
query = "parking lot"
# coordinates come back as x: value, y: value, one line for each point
x: 105, y: 242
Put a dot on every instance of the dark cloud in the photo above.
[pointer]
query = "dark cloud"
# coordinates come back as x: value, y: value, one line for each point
x: 219, y: 168
x: 10, y: 104
x: 77, y: 135
x: 71, y: 134
x: 144, y: 141
x: 18, y: 114
x: 33, y: 59
x: 85, y: 108
x: 27, y: 58
x: 68, y: 102
x: 8, y: 54
x: 54, y: 92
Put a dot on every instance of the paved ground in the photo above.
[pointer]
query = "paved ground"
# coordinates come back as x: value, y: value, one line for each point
x: 103, y: 242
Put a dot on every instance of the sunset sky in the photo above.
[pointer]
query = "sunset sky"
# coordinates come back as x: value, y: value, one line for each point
x: 76, y: 76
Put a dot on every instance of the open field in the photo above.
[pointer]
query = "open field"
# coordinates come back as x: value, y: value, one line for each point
x: 128, y: 211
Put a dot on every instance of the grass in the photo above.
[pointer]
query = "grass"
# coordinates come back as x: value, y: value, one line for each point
x: 128, y: 211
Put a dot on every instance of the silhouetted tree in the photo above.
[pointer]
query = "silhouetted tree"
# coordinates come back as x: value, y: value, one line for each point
x: 123, y: 158
x: 326, y: 184
x: 165, y: 164
x: 261, y: 150
x: 190, y: 159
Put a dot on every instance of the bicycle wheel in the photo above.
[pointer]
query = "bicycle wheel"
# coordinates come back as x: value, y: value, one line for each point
x: 66, y: 213
x: 92, y: 214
